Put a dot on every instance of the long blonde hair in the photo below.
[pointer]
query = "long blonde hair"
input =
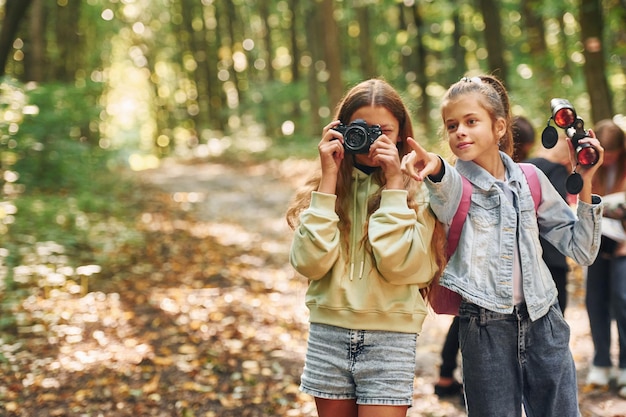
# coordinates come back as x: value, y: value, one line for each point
x: 376, y: 93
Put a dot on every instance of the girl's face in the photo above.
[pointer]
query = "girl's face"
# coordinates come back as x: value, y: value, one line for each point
x: 376, y: 115
x: 471, y: 134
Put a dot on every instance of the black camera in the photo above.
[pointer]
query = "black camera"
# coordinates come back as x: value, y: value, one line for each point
x: 565, y: 117
x: 358, y: 136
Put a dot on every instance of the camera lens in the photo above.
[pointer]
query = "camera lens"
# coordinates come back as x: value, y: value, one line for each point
x: 355, y: 138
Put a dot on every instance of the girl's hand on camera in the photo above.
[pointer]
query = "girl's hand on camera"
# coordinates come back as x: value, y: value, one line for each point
x: 384, y: 153
x: 331, y: 148
x: 331, y: 153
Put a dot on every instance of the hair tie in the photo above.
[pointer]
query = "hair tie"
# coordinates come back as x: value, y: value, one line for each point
x: 476, y: 80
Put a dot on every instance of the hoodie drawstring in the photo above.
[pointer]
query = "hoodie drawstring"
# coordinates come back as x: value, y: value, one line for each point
x: 353, y: 234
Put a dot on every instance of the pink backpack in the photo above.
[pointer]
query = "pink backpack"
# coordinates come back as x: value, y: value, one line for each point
x: 441, y: 299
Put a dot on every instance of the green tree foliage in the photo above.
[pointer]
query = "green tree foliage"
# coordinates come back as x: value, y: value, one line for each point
x: 211, y: 68
x: 93, y: 84
x: 57, y: 147
x: 57, y: 188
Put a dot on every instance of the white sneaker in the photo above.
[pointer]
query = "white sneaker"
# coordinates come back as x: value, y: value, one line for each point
x: 621, y: 378
x: 622, y: 392
x: 599, y: 376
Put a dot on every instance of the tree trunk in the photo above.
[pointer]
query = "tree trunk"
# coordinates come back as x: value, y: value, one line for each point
x: 493, y: 38
x: 191, y: 42
x: 35, y: 48
x: 68, y: 41
x: 332, y: 49
x: 595, y: 74
x: 14, y: 11
x: 458, y: 52
x: 267, y: 37
x: 316, y: 47
x: 295, y: 51
x: 231, y: 26
x: 216, y: 93
x: 537, y: 44
x: 368, y: 64
x: 420, y: 67
x: 534, y: 26
x: 622, y: 37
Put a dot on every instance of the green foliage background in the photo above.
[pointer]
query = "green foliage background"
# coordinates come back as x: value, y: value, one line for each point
x: 140, y: 90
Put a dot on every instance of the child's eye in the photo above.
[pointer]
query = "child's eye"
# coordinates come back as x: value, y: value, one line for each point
x: 451, y: 126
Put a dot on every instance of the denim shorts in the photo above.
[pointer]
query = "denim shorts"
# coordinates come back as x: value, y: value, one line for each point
x: 373, y: 367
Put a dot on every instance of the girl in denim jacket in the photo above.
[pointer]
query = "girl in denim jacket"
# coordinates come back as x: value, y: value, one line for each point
x: 513, y: 338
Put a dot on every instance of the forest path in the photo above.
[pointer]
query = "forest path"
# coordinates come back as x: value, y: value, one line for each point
x: 244, y: 205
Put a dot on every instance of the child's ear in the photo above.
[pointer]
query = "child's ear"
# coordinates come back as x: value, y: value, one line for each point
x: 500, y: 128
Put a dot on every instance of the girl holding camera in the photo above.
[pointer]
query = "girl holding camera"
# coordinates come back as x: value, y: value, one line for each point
x: 513, y: 337
x: 367, y: 241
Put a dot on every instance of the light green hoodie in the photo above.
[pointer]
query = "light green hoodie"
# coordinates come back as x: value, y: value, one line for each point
x: 346, y: 289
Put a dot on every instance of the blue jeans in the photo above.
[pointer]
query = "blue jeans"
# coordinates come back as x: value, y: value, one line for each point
x: 510, y: 361
x: 606, y: 299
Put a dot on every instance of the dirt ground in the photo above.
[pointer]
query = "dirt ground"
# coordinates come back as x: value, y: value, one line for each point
x: 248, y: 203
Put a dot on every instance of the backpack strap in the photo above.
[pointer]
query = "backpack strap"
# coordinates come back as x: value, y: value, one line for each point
x: 530, y: 171
x: 454, y: 233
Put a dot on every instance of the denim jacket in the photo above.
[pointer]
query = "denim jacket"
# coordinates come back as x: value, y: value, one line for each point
x: 481, y: 269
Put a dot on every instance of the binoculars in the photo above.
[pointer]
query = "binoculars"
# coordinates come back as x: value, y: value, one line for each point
x: 565, y: 117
